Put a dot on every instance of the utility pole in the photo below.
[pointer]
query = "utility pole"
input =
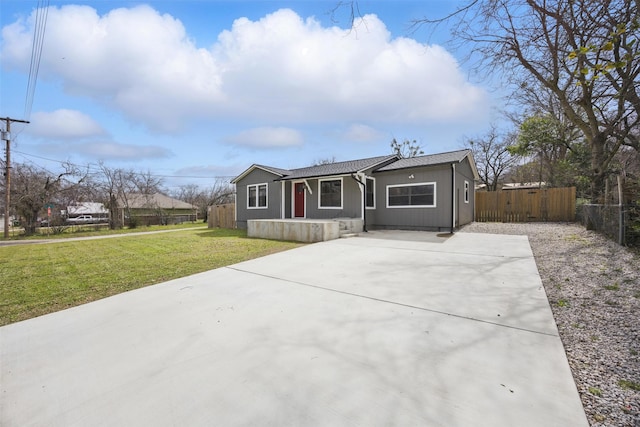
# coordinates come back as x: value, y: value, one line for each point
x: 7, y: 137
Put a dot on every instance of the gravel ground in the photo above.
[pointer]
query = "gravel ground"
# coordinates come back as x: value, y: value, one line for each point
x: 593, y: 287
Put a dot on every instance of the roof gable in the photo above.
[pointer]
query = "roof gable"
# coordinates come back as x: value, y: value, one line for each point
x: 276, y: 171
x: 431, y: 160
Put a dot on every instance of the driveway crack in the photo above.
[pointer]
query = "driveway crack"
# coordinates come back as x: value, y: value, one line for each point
x: 430, y: 310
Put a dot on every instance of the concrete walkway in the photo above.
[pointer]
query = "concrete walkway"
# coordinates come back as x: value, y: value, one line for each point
x: 103, y: 236
x: 391, y: 329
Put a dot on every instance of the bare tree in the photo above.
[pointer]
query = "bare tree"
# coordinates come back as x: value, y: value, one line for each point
x: 492, y: 156
x: 584, y: 52
x: 146, y: 183
x: 325, y: 161
x: 117, y: 184
x: 406, y: 148
x: 220, y: 192
x: 33, y: 188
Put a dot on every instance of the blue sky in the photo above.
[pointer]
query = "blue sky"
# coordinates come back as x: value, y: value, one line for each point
x: 195, y: 90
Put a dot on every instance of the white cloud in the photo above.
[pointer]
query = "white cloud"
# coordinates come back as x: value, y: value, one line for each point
x: 209, y: 171
x: 281, y: 68
x: 362, y: 133
x: 107, y: 150
x: 267, y: 137
x: 64, y: 124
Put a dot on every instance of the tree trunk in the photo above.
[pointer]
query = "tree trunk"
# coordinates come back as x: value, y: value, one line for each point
x: 598, y: 168
x: 114, y: 221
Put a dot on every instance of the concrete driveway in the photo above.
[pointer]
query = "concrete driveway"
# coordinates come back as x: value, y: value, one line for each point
x: 391, y: 329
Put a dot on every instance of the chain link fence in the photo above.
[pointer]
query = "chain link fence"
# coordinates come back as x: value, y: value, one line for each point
x: 621, y: 223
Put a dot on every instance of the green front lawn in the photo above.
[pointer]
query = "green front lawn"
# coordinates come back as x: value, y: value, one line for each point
x: 37, y: 279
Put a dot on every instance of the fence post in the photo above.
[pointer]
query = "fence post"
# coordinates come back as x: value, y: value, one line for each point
x: 621, y: 226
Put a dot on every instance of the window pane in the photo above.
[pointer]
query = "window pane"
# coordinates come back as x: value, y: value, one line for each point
x: 262, y: 196
x: 412, y: 195
x: 421, y: 200
x: 330, y: 193
x: 398, y: 200
x: 399, y: 191
x: 369, y: 193
x: 252, y: 196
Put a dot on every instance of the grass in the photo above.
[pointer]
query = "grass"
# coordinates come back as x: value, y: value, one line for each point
x: 595, y: 391
x: 44, y: 278
x: 629, y: 385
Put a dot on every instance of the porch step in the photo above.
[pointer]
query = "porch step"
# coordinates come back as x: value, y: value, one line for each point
x: 349, y: 226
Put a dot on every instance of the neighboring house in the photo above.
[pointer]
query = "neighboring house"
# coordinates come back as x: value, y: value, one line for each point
x: 96, y: 210
x: 434, y: 192
x: 524, y: 185
x: 156, y: 209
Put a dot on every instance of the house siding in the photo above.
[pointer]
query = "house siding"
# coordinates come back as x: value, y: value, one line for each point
x: 274, y: 204
x: 351, y: 200
x: 418, y: 218
x: 437, y: 169
x: 465, y: 211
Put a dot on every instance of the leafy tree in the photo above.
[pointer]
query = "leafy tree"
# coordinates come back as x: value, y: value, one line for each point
x: 406, y: 148
x: 492, y: 156
x: 552, y: 142
x: 583, y: 52
x: 575, y: 49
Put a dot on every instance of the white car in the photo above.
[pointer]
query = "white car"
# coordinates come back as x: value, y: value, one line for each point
x: 82, y: 219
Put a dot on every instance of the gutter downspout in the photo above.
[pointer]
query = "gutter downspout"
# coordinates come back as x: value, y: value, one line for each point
x: 363, y: 192
x: 453, y: 197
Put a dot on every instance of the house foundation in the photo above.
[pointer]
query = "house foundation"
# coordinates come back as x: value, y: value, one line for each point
x: 303, y: 230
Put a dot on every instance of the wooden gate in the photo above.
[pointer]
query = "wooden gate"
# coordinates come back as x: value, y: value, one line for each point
x: 223, y: 216
x: 527, y: 205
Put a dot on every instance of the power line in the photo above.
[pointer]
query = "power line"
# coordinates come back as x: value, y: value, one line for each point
x: 97, y: 170
x: 40, y: 26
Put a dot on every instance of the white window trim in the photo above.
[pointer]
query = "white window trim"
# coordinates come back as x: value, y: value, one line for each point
x: 258, y: 195
x: 413, y: 184
x: 374, y: 194
x: 320, y: 181
x: 466, y: 191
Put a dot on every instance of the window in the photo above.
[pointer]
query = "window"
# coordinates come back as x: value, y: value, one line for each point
x: 370, y: 193
x: 411, y: 195
x: 466, y: 191
x: 330, y: 194
x: 257, y: 196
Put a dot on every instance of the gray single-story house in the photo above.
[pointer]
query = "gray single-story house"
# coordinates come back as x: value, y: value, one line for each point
x: 433, y: 192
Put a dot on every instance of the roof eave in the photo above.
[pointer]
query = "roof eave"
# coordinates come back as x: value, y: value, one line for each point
x: 383, y: 161
x: 251, y: 169
x: 472, y: 163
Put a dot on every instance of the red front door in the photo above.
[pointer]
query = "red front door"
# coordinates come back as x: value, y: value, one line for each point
x: 299, y: 200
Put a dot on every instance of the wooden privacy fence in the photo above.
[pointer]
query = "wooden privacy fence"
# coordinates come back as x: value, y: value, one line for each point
x: 527, y: 205
x: 223, y: 216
